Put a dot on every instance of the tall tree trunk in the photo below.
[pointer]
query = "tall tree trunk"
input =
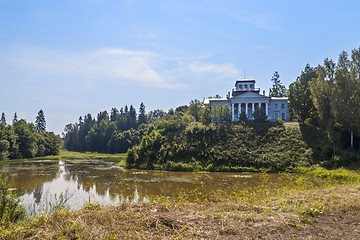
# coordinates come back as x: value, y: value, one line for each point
x: 352, y: 139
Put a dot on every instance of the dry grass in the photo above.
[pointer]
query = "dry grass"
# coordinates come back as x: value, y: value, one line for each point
x: 328, y: 212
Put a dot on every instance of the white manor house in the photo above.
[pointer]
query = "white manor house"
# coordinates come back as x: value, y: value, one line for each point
x: 246, y: 98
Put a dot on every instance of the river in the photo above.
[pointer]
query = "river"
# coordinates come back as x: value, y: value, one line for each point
x: 41, y: 183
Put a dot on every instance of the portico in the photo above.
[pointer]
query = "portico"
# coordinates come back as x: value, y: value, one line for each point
x: 248, y: 108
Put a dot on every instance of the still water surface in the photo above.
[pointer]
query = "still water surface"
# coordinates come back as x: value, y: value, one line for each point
x: 41, y: 182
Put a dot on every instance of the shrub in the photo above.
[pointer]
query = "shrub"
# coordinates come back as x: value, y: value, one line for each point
x: 10, y: 209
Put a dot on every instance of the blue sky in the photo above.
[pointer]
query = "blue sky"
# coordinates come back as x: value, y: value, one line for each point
x: 74, y: 57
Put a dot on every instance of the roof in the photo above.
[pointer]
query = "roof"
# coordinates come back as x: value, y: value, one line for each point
x: 279, y: 98
x: 245, y: 80
x: 207, y: 100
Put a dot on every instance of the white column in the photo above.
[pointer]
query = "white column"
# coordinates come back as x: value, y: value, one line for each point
x: 233, y: 112
x: 253, y: 109
x: 266, y: 109
x: 246, y: 109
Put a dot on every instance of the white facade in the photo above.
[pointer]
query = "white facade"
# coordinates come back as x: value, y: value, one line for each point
x: 246, y: 98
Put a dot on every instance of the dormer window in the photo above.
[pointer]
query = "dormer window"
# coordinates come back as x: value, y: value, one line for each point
x: 246, y: 86
x: 251, y: 86
x: 240, y: 86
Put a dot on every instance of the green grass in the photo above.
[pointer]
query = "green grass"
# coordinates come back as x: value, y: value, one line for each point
x: 340, y: 174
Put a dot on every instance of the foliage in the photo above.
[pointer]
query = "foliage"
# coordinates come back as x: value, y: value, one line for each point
x: 299, y: 96
x: 278, y: 89
x: 220, y: 113
x: 205, y: 116
x: 40, y: 122
x: 3, y: 119
x: 121, y: 131
x: 260, y: 115
x: 235, y: 146
x: 243, y: 117
x: 112, y: 134
x: 329, y: 95
x: 22, y: 140
x: 11, y: 211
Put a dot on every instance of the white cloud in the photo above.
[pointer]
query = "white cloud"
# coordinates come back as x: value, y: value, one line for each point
x: 221, y: 70
x: 118, y: 66
x: 259, y: 20
x: 113, y: 65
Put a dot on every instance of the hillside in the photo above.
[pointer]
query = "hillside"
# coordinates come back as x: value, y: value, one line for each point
x: 174, y: 145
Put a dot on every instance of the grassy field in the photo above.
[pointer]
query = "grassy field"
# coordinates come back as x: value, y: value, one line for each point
x: 319, y: 204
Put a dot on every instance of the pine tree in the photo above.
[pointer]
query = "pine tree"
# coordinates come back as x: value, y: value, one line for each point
x: 132, y: 117
x: 40, y: 122
x: 142, y: 114
x: 278, y: 89
x: 114, y: 115
x: 3, y: 119
x: 15, y: 118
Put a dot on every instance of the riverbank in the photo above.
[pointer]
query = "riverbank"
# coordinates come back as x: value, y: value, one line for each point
x: 119, y: 158
x: 327, y: 208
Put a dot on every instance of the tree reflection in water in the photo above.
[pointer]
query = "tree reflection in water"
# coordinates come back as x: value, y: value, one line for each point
x: 40, y: 182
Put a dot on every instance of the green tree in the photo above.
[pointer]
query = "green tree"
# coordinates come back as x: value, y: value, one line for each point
x: 205, y: 115
x: 220, y: 112
x: 142, y: 114
x: 260, y: 115
x: 132, y: 118
x: 214, y: 113
x: 226, y: 113
x: 114, y: 115
x: 4, y: 149
x: 3, y: 119
x: 321, y: 92
x: 278, y: 89
x: 15, y: 117
x: 301, y: 103
x: 345, y: 101
x: 195, y: 108
x: 243, y: 117
x: 40, y: 122
x: 26, y: 138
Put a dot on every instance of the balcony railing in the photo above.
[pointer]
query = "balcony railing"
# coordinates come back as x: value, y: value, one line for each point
x: 245, y: 90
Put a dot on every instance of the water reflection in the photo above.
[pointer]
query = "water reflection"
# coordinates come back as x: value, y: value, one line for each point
x: 41, y: 182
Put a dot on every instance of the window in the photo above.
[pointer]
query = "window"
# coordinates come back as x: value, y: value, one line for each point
x: 276, y: 115
x: 246, y: 86
x: 251, y: 86
x: 283, y: 116
x: 282, y: 105
x: 276, y: 106
x: 240, y: 86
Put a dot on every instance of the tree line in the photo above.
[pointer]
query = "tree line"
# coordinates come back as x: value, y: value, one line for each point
x: 122, y: 129
x: 328, y: 96
x: 27, y: 140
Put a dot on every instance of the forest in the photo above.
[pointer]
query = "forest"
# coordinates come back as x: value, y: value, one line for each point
x: 325, y: 97
x: 27, y: 140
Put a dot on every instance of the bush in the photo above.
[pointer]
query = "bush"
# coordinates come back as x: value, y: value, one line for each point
x: 10, y: 209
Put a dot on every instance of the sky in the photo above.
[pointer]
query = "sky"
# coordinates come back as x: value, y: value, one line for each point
x: 73, y: 57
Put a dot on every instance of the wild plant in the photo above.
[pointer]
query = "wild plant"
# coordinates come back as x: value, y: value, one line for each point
x: 11, y: 211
